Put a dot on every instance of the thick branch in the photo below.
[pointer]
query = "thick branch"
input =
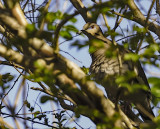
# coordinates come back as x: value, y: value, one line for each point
x: 82, y: 10
x: 78, y: 96
x: 75, y: 73
x: 139, y: 18
x: 19, y: 15
x: 7, y: 20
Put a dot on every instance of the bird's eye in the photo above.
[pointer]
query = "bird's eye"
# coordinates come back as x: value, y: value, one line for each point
x: 92, y: 26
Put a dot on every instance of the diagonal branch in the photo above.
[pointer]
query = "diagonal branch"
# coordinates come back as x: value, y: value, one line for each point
x: 140, y: 18
x: 157, y: 7
x: 82, y: 10
x: 94, y: 94
x: 39, y: 45
x: 19, y: 15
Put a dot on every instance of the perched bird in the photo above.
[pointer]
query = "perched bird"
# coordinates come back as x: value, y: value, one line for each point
x: 106, y: 69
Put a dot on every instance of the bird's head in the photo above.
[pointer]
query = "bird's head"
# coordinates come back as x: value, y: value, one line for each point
x: 92, y: 30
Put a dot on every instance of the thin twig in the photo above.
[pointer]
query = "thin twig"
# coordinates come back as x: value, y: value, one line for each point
x: 30, y: 120
x: 43, y: 20
x: 10, y: 88
x: 71, y: 56
x: 126, y: 37
x: 148, y: 15
x: 59, y: 26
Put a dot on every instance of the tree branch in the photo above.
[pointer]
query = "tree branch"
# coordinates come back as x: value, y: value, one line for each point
x: 157, y: 7
x: 82, y: 10
x: 73, y: 72
x: 139, y: 18
x: 19, y: 15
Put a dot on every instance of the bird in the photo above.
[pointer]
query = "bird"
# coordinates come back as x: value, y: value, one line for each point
x: 105, y: 69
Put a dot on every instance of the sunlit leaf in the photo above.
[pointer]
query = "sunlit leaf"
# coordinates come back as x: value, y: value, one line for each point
x: 155, y: 86
x: 131, y: 56
x: 31, y: 28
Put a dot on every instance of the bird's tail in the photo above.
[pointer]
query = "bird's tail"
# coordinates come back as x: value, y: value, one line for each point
x: 145, y: 111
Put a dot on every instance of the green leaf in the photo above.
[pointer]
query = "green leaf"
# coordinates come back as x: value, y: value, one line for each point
x: 155, y: 85
x: 139, y: 29
x: 71, y: 28
x: 36, y: 113
x: 7, y: 77
x: 27, y: 103
x: 66, y: 35
x: 51, y: 27
x: 131, y: 56
x: 73, y: 20
x: 149, y: 52
x: 79, y: 44
x: 31, y: 109
x: 45, y: 99
x: 85, y: 70
x: 113, y: 33
x: 30, y: 28
x: 95, y: 44
x: 52, y: 16
x: 104, y: 10
x: 154, y: 80
x: 40, y: 116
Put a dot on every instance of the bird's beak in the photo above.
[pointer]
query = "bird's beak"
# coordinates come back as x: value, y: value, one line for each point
x: 80, y: 32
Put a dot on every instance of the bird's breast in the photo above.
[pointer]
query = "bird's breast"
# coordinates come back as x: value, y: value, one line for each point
x: 102, y: 66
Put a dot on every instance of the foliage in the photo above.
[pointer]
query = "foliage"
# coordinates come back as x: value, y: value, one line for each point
x: 31, y: 44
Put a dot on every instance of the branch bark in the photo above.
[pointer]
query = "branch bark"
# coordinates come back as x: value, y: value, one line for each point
x: 139, y: 18
x: 82, y: 10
